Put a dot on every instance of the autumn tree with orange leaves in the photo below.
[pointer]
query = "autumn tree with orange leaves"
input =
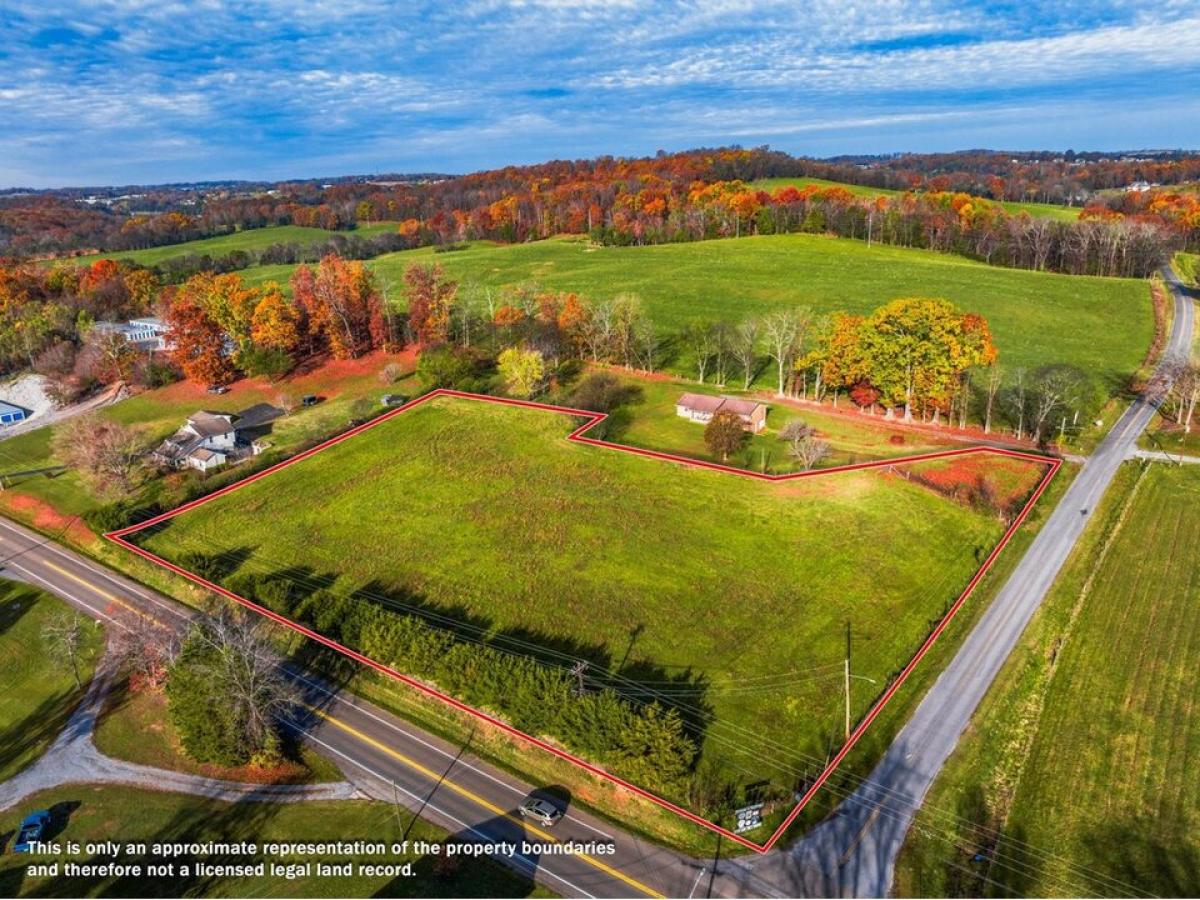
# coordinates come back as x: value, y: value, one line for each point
x: 430, y: 303
x: 198, y: 343
x: 342, y: 306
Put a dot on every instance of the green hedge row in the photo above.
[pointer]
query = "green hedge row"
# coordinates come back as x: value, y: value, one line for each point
x: 643, y: 743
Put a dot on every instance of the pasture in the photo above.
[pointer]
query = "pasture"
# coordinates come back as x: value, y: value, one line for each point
x: 1075, y: 778
x: 1101, y: 325
x: 1042, y: 210
x: 726, y: 598
x: 248, y: 240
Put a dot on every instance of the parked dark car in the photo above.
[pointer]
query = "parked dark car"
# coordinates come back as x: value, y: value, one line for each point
x: 394, y: 399
x: 310, y: 400
x: 33, y: 826
x: 541, y: 811
x: 218, y: 389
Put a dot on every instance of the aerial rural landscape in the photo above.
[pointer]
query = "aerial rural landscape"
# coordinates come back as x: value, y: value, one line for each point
x: 599, y: 450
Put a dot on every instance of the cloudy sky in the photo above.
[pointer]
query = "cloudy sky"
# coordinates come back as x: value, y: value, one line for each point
x: 138, y: 91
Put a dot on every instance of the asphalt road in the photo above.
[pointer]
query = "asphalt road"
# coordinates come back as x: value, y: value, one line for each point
x: 853, y: 853
x: 389, y: 759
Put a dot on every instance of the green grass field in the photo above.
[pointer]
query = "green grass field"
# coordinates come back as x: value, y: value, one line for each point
x: 1038, y: 210
x: 649, y: 420
x: 1101, y: 325
x: 1081, y: 755
x: 251, y: 239
x: 130, y: 815
x: 1188, y: 267
x: 39, y: 692
x: 487, y: 512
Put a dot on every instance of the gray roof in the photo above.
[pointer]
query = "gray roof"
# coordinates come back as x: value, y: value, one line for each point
x: 257, y: 415
x: 204, y: 454
x: 6, y: 407
x: 210, y: 424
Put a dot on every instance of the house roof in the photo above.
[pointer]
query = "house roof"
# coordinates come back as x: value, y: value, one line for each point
x: 257, y: 415
x: 709, y: 404
x: 210, y: 424
x: 204, y: 454
x: 741, y: 407
x: 700, y: 402
x: 6, y: 407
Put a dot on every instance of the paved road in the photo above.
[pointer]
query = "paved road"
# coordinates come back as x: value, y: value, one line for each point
x: 853, y: 853
x: 390, y: 759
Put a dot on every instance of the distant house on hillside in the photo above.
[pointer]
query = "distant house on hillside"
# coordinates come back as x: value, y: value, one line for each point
x: 149, y: 333
x: 10, y: 413
x: 702, y: 407
x: 208, y: 440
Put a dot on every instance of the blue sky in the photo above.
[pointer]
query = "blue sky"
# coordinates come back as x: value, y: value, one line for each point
x: 139, y: 91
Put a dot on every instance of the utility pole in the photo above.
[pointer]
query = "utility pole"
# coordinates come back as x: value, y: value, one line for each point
x: 847, y: 698
x: 577, y: 670
x: 847, y: 679
x: 848, y: 676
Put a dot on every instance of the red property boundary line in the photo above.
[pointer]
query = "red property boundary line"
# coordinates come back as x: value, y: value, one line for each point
x: 578, y: 436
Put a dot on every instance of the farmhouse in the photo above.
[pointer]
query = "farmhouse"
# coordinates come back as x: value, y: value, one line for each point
x: 702, y: 407
x: 208, y: 440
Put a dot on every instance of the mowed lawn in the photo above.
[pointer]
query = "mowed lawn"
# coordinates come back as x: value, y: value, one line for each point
x: 486, y: 511
x: 39, y: 690
x: 92, y: 813
x: 1101, y: 325
x: 249, y: 240
x: 1093, y: 731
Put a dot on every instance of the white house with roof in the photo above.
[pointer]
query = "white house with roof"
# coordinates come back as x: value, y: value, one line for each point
x: 209, y: 440
x: 147, y: 333
x: 204, y: 442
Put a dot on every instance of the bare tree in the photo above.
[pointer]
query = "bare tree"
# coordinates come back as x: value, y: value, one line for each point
x: 598, y: 333
x: 803, y: 445
x: 145, y: 649
x: 1055, y: 389
x: 784, y: 332
x: 1185, y: 394
x: 995, y: 378
x: 1017, y: 399
x: 63, y: 636
x: 107, y: 454
x: 745, y: 348
x: 242, y: 660
x: 702, y: 339
x: 722, y: 343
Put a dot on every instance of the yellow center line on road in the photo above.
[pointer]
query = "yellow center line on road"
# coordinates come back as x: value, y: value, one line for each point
x: 400, y: 757
x: 107, y: 595
x: 475, y: 798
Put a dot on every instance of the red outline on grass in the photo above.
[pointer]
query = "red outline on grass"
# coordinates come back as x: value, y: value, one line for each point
x: 577, y: 436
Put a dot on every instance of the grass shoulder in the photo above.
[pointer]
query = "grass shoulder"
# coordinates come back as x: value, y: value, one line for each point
x: 87, y: 813
x: 39, y: 692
